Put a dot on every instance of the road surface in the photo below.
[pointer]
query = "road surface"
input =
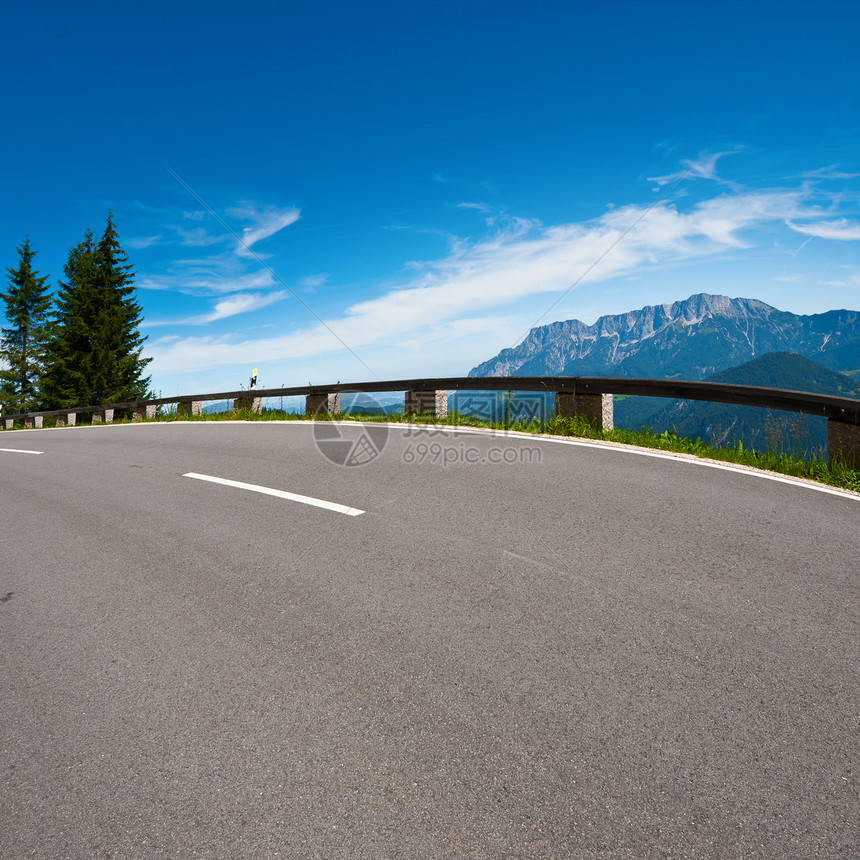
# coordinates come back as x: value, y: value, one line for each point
x: 484, y: 647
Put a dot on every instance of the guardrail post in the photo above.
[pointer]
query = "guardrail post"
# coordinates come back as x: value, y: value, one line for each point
x: 67, y: 420
x: 323, y: 404
x: 597, y: 409
x: 843, y: 443
x: 142, y: 412
x: 8, y: 423
x: 246, y: 401
x: 103, y: 416
x: 34, y: 421
x: 426, y: 402
x: 191, y: 407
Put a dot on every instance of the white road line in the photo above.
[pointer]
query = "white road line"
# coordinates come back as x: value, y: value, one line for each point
x: 646, y: 452
x: 726, y: 467
x: 20, y: 451
x: 281, y: 494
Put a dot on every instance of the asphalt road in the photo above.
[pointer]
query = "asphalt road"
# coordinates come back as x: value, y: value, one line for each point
x: 578, y: 653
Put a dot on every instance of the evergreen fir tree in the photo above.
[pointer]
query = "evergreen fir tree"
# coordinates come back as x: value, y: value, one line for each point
x: 22, y: 343
x: 65, y: 380
x: 95, y: 352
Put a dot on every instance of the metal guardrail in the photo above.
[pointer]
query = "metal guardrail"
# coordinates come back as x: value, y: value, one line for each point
x: 843, y: 409
x: 587, y: 396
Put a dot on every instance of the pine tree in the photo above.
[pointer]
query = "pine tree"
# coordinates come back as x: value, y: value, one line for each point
x: 22, y: 343
x: 65, y: 380
x: 95, y: 352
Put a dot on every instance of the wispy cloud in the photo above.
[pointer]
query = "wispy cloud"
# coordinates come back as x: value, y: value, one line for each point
x: 222, y: 270
x: 831, y: 172
x: 703, y: 167
x: 481, y: 207
x: 208, y: 277
x: 199, y: 237
x: 468, y: 185
x: 260, y: 222
x: 140, y: 206
x: 520, y: 259
x: 839, y: 229
x: 314, y: 282
x: 224, y: 309
x: 242, y: 304
x: 143, y: 241
x: 265, y: 222
x: 800, y: 247
x: 501, y: 275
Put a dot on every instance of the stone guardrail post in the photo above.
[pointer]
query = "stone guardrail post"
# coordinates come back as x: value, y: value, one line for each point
x: 142, y: 412
x: 843, y: 443
x: 246, y: 402
x: 67, y: 420
x: 8, y: 423
x: 103, y: 416
x: 34, y: 422
x: 597, y: 409
x: 316, y: 404
x: 426, y: 402
x: 186, y: 408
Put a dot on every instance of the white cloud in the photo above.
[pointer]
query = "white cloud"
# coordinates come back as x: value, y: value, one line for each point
x: 265, y: 222
x: 312, y: 282
x: 242, y: 304
x: 199, y: 237
x: 488, y: 291
x: 143, y: 241
x: 523, y: 259
x: 830, y: 172
x: 222, y: 272
x: 705, y: 167
x: 223, y: 309
x: 481, y: 207
x: 840, y: 229
x: 207, y: 280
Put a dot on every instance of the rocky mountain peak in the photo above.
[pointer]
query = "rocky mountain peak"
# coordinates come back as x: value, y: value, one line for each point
x: 686, y: 339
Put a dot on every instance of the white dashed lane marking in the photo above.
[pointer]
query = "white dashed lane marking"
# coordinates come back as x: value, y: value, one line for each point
x: 280, y: 494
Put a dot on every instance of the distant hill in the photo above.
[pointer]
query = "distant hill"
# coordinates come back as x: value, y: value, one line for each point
x: 220, y: 406
x: 685, y: 340
x: 696, y: 339
x: 759, y: 429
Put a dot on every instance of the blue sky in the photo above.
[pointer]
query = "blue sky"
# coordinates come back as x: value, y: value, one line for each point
x: 343, y: 191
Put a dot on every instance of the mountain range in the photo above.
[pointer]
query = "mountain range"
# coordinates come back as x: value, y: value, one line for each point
x: 690, y: 339
x: 721, y: 339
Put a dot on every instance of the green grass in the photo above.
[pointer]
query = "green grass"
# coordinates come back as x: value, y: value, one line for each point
x: 815, y: 468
